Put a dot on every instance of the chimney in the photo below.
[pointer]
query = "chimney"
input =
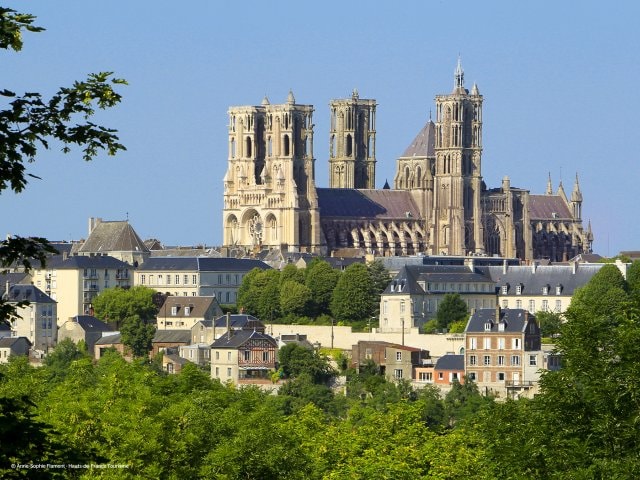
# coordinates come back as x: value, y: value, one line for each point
x: 64, y: 255
x: 533, y: 267
x: 504, y: 266
x: 497, y: 313
x: 574, y: 267
x: 93, y: 222
x: 228, y: 325
x: 6, y: 289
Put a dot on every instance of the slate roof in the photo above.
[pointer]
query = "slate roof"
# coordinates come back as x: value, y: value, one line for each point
x: 91, y: 324
x: 202, y: 264
x: 85, y: 261
x: 13, y: 278
x: 110, y: 339
x: 29, y: 293
x: 533, y: 281
x: 424, y: 143
x: 542, y: 207
x: 380, y: 204
x: 409, y: 276
x: 450, y: 362
x: 116, y: 236
x: 241, y: 337
x: 172, y: 336
x: 198, y: 306
x: 239, y: 321
x: 515, y: 320
x: 8, y: 342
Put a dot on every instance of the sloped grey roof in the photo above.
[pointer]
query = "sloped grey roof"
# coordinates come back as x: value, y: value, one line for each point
x: 542, y: 207
x: 450, y: 362
x: 202, y: 264
x: 29, y: 293
x: 239, y: 321
x: 13, y: 278
x: 91, y: 324
x: 409, y: 276
x: 381, y: 204
x: 424, y: 143
x: 241, y: 337
x: 515, y: 319
x: 85, y: 261
x: 533, y: 281
x: 198, y: 306
x: 109, y: 339
x: 8, y: 342
x: 113, y: 237
x: 172, y: 336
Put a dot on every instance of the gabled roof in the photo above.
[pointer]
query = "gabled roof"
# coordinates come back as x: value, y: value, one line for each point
x: 116, y: 236
x: 8, y: 342
x: 198, y: 306
x: 548, y: 207
x: 406, y: 280
x: 72, y: 262
x: 450, y: 362
x: 534, y: 280
x: 241, y: 337
x: 91, y: 324
x: 515, y: 320
x: 29, y: 293
x: 381, y: 204
x: 172, y: 336
x: 109, y: 339
x: 424, y: 143
x: 202, y: 264
x: 13, y: 278
x: 239, y: 321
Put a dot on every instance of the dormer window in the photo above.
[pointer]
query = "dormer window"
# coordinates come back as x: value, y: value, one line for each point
x: 174, y: 310
x: 505, y: 289
x: 501, y: 326
x: 519, y: 289
x: 559, y: 289
x: 487, y: 327
x: 545, y: 290
x: 187, y: 311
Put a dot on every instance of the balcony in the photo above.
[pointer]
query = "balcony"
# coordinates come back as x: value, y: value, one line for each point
x: 90, y: 287
x: 518, y: 384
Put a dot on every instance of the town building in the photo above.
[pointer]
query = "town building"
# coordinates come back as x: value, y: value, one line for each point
x: 394, y: 361
x: 84, y: 328
x: 439, y: 203
x: 244, y: 357
x: 180, y: 313
x: 449, y: 369
x: 197, y: 276
x: 35, y: 321
x: 13, y: 347
x: 501, y: 346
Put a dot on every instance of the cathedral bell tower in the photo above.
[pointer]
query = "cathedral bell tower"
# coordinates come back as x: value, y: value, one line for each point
x: 456, y: 226
x: 270, y: 198
x: 352, y: 143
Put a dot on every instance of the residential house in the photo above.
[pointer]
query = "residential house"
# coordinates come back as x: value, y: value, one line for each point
x: 500, y: 344
x: 35, y: 321
x: 395, y: 361
x: 207, y: 331
x: 86, y: 328
x: 173, y: 363
x: 547, y: 288
x: 116, y: 239
x: 74, y: 281
x: 169, y: 339
x: 413, y: 296
x: 197, y: 276
x: 448, y: 369
x: 297, y: 338
x: 111, y: 342
x: 244, y: 357
x: 198, y: 353
x: 13, y: 346
x: 180, y: 313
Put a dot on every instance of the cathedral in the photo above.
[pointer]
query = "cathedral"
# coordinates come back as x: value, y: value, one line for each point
x: 439, y: 203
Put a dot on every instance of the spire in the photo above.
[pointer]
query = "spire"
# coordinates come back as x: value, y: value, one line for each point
x: 290, y: 98
x: 265, y: 100
x: 561, y: 191
x: 459, y: 75
x: 386, y: 185
x: 549, y: 186
x: 576, y: 195
x: 474, y: 90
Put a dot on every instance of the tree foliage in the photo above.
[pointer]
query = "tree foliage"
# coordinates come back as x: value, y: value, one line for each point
x: 294, y: 298
x: 137, y: 334
x: 354, y: 297
x: 30, y: 122
x: 451, y: 309
x: 321, y: 279
x: 114, y: 305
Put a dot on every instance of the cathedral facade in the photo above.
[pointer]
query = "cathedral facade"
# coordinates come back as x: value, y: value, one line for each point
x: 439, y: 204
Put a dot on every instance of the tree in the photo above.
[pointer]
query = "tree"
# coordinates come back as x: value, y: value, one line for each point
x: 267, y: 289
x: 550, y: 323
x: 354, y: 297
x: 137, y: 335
x: 451, y: 309
x: 379, y: 276
x: 30, y: 122
x: 296, y: 360
x: 63, y: 355
x: 291, y: 272
x: 321, y: 279
x: 247, y: 294
x: 294, y: 298
x: 113, y: 305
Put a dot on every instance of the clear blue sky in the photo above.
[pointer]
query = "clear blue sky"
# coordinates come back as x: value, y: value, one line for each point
x: 559, y: 79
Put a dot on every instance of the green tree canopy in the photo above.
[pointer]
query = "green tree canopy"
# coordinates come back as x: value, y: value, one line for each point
x: 550, y: 323
x: 451, y: 309
x: 354, y: 297
x: 321, y: 279
x: 137, y: 334
x: 113, y: 305
x: 294, y: 298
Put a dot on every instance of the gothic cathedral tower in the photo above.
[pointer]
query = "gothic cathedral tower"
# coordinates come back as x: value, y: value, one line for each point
x: 352, y: 141
x: 456, y: 227
x: 270, y: 198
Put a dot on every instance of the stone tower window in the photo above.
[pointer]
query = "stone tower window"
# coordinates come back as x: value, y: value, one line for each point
x: 286, y: 145
x: 332, y: 146
x: 233, y: 148
x: 348, y: 146
x: 248, y: 147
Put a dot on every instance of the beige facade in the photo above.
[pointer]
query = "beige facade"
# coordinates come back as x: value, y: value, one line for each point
x: 243, y: 357
x: 180, y: 313
x: 439, y: 203
x: 35, y: 321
